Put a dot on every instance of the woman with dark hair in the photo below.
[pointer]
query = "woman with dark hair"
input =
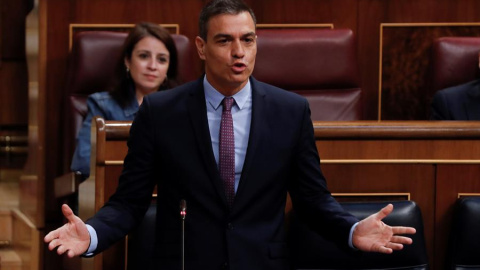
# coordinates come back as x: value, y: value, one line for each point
x: 148, y: 64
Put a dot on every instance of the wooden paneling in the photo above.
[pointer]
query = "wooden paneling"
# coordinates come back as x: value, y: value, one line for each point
x: 13, y: 93
x: 406, y: 89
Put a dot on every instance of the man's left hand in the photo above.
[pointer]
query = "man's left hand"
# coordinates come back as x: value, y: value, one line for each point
x: 372, y: 235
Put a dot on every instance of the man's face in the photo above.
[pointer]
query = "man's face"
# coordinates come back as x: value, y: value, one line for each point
x: 229, y: 51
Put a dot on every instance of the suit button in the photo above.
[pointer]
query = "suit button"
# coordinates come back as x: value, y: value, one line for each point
x: 230, y: 226
x: 225, y: 266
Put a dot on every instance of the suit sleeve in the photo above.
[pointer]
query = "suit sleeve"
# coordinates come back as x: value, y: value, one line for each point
x: 127, y: 206
x: 311, y: 198
x: 439, y: 109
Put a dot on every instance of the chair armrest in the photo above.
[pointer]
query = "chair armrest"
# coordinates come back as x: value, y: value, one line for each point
x: 67, y: 184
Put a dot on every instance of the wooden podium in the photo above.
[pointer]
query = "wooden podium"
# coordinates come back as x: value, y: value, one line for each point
x: 431, y: 163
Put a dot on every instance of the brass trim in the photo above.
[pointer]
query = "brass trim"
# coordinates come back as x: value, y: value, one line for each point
x: 16, y: 213
x: 106, y: 26
x: 29, y: 177
x: 367, y: 194
x: 13, y: 139
x: 4, y: 243
x: 400, y: 161
x: 362, y: 161
x: 294, y: 25
x: 429, y: 24
x: 459, y: 195
x: 380, y: 68
x: 112, y: 162
x: 425, y: 24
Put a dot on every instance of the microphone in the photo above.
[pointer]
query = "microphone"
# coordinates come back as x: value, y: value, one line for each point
x: 183, y: 214
x: 183, y: 209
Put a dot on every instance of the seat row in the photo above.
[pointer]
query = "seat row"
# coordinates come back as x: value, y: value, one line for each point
x: 308, y: 250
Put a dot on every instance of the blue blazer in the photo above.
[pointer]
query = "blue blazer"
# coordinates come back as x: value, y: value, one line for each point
x: 460, y: 102
x: 170, y: 146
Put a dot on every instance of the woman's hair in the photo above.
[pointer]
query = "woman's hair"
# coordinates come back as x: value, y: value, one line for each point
x: 123, y: 86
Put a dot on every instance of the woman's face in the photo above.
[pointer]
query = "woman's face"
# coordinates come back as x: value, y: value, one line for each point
x: 148, y: 64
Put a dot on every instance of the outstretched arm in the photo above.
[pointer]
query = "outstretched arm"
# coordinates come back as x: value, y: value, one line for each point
x: 371, y: 234
x: 73, y: 237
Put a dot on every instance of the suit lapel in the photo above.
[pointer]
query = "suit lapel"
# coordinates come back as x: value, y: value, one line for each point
x: 257, y: 125
x: 198, y: 117
x: 472, y: 104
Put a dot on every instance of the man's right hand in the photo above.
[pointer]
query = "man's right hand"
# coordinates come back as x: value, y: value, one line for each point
x: 73, y: 237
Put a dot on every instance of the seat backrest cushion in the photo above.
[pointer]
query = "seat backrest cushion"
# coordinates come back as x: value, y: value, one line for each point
x: 309, y: 250
x: 465, y: 235
x: 320, y: 64
x: 455, y: 61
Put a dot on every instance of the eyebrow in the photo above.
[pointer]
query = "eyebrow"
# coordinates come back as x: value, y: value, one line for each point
x: 147, y: 51
x: 221, y: 35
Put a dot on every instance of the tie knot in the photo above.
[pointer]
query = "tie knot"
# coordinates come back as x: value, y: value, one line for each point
x: 228, y: 103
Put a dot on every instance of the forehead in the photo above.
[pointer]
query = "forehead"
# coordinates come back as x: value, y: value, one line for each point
x: 150, y: 43
x: 231, y: 24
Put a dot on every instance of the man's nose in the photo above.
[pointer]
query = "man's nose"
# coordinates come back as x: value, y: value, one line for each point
x: 237, y: 49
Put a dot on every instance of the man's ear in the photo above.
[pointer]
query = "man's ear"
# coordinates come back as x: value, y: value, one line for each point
x: 200, y: 43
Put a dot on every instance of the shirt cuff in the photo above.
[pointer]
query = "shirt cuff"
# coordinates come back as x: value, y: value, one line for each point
x: 93, y: 241
x: 350, y: 237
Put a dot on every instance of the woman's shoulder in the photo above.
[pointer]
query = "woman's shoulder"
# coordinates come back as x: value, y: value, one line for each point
x: 104, y: 100
x: 101, y: 96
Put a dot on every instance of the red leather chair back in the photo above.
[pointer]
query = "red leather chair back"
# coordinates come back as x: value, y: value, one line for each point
x: 91, y: 65
x: 320, y: 64
x: 455, y: 61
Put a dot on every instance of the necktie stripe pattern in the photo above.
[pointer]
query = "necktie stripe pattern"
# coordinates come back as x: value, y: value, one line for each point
x: 227, y: 150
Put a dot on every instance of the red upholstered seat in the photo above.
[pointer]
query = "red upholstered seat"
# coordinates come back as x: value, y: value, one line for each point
x: 320, y: 64
x: 455, y: 61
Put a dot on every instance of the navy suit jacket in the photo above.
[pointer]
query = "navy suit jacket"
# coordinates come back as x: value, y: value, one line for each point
x: 170, y: 146
x: 460, y: 102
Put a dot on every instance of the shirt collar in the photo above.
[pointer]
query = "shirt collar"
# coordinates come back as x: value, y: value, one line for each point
x: 132, y: 108
x: 214, y: 98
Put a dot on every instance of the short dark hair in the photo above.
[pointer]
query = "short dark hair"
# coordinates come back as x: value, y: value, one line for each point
x: 123, y: 84
x: 217, y: 7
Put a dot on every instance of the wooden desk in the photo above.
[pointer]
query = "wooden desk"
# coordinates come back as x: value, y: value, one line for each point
x: 431, y: 163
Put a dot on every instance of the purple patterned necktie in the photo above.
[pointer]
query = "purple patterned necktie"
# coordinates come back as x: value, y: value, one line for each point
x: 227, y: 150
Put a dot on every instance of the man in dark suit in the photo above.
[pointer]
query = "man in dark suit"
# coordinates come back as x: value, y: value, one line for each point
x: 235, y: 186
x: 461, y: 102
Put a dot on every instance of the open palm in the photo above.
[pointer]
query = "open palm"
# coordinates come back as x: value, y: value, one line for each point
x: 371, y: 234
x: 72, y: 238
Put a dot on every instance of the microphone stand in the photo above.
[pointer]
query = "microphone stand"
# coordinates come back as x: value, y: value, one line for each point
x: 183, y: 214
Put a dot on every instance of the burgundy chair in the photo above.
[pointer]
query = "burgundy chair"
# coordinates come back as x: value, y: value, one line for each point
x: 320, y: 64
x: 455, y: 61
x: 91, y: 64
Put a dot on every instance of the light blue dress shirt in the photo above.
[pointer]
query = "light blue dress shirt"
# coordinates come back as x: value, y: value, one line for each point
x: 241, y: 115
